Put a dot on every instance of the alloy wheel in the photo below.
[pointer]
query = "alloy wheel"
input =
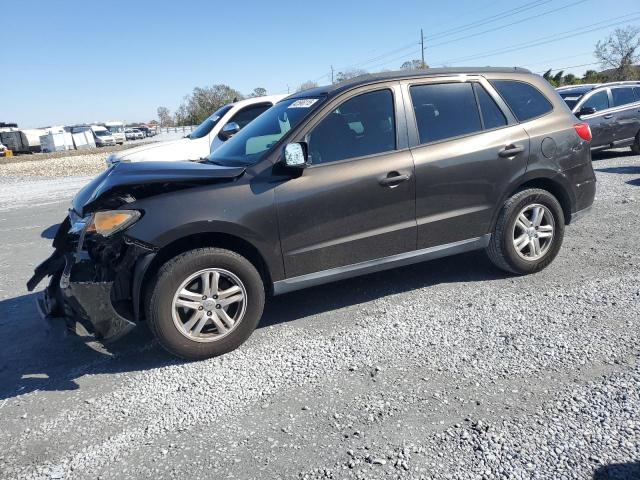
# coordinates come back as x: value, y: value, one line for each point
x: 533, y: 232
x: 209, y: 304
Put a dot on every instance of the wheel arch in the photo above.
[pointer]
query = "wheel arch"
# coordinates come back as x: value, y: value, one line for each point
x: 553, y: 182
x: 193, y: 241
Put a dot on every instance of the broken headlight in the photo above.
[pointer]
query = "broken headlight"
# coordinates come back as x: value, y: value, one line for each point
x: 106, y: 222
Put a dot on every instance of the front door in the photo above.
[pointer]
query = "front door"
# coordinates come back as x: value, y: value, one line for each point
x: 356, y: 202
x: 601, y: 122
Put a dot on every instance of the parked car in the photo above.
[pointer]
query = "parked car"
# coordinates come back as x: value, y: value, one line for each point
x: 208, y: 136
x: 333, y: 182
x: 102, y: 136
x: 612, y: 110
x: 117, y: 130
x: 138, y: 134
x: 130, y: 134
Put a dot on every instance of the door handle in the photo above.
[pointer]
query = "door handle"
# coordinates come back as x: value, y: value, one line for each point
x: 607, y: 117
x: 511, y: 150
x: 393, y: 179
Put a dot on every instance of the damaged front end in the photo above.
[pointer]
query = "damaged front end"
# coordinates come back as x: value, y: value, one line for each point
x: 93, y: 280
x: 97, y: 270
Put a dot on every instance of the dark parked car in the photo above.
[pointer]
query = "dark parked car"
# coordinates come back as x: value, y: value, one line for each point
x: 329, y: 183
x: 612, y: 110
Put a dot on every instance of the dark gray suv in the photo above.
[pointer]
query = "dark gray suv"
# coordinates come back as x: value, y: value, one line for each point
x: 333, y: 182
x: 612, y: 110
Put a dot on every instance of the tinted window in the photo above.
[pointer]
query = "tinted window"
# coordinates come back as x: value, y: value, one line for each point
x: 248, y: 114
x: 205, y: 127
x: 363, y: 125
x: 622, y: 96
x: 492, y: 116
x: 636, y: 91
x: 571, y: 98
x: 445, y: 110
x: 526, y: 101
x: 599, y: 101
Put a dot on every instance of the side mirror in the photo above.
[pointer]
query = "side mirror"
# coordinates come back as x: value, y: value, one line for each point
x: 586, y: 111
x: 295, y: 155
x: 228, y: 131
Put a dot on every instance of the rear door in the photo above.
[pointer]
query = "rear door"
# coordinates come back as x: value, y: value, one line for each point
x: 466, y: 146
x: 626, y: 115
x: 601, y: 122
x: 356, y: 202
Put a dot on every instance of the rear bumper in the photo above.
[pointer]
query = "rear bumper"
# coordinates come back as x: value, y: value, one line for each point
x: 575, y: 216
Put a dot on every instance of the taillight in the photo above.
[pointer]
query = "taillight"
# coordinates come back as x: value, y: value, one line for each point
x: 583, y: 131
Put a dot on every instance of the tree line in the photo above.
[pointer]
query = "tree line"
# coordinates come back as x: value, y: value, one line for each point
x: 618, y: 55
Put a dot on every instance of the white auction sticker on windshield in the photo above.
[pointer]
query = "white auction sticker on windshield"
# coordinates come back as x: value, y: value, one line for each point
x: 303, y: 103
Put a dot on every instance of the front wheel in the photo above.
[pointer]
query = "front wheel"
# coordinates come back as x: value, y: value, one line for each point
x: 528, y: 233
x: 205, y: 302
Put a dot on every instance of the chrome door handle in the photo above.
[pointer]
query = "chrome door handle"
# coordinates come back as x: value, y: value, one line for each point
x: 607, y: 117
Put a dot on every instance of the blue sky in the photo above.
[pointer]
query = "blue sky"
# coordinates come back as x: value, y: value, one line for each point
x: 72, y: 61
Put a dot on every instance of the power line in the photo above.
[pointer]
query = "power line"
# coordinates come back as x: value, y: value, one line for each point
x: 507, y: 25
x: 629, y: 17
x: 565, y: 68
x: 493, y: 18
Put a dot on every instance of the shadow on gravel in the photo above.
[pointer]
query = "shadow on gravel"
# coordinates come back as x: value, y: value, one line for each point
x: 631, y: 170
x: 39, y: 355
x: 50, y: 232
x: 635, y: 182
x: 608, y: 154
x: 618, y: 471
x: 469, y: 267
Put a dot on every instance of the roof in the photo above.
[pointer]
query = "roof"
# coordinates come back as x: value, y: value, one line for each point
x: 400, y: 75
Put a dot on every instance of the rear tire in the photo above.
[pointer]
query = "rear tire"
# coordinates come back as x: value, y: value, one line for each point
x: 520, y: 246
x: 216, y: 328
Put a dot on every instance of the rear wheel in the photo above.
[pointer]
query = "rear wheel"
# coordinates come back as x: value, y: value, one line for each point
x: 205, y: 302
x: 528, y: 233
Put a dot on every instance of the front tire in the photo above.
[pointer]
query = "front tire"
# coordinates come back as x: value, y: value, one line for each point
x: 528, y: 233
x: 205, y: 302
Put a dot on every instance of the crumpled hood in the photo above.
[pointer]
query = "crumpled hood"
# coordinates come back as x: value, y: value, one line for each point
x: 127, y: 177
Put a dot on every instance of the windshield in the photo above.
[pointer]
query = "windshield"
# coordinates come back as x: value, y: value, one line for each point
x: 102, y: 133
x: 205, y: 127
x: 571, y: 98
x: 252, y: 142
x: 114, y: 129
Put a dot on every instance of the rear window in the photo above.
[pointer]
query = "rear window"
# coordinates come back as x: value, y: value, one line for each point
x: 526, y: 101
x: 492, y: 116
x: 622, y: 96
x: 571, y: 98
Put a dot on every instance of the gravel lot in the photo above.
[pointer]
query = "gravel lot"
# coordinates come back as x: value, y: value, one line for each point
x: 448, y: 369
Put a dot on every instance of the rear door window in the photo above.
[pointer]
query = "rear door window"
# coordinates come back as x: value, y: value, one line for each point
x: 492, y: 116
x: 599, y: 101
x: 525, y: 101
x: 622, y: 96
x: 445, y: 110
x: 636, y: 92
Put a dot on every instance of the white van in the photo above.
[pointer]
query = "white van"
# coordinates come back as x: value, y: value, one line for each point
x: 117, y: 131
x: 208, y: 136
x: 102, y: 136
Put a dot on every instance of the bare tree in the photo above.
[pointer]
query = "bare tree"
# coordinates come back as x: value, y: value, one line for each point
x: 414, y: 65
x: 620, y: 51
x: 349, y: 74
x: 164, y: 116
x: 258, y: 92
x: 306, y: 85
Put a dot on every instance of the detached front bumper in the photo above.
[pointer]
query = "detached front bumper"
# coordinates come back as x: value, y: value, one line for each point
x: 95, y: 291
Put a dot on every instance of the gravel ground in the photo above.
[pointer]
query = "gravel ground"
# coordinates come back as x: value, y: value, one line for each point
x: 448, y: 369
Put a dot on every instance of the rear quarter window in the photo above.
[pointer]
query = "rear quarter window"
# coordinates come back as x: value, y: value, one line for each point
x: 525, y: 101
x: 622, y: 96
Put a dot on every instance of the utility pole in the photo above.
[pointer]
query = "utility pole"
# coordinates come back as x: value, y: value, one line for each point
x: 331, y: 74
x: 422, y: 47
